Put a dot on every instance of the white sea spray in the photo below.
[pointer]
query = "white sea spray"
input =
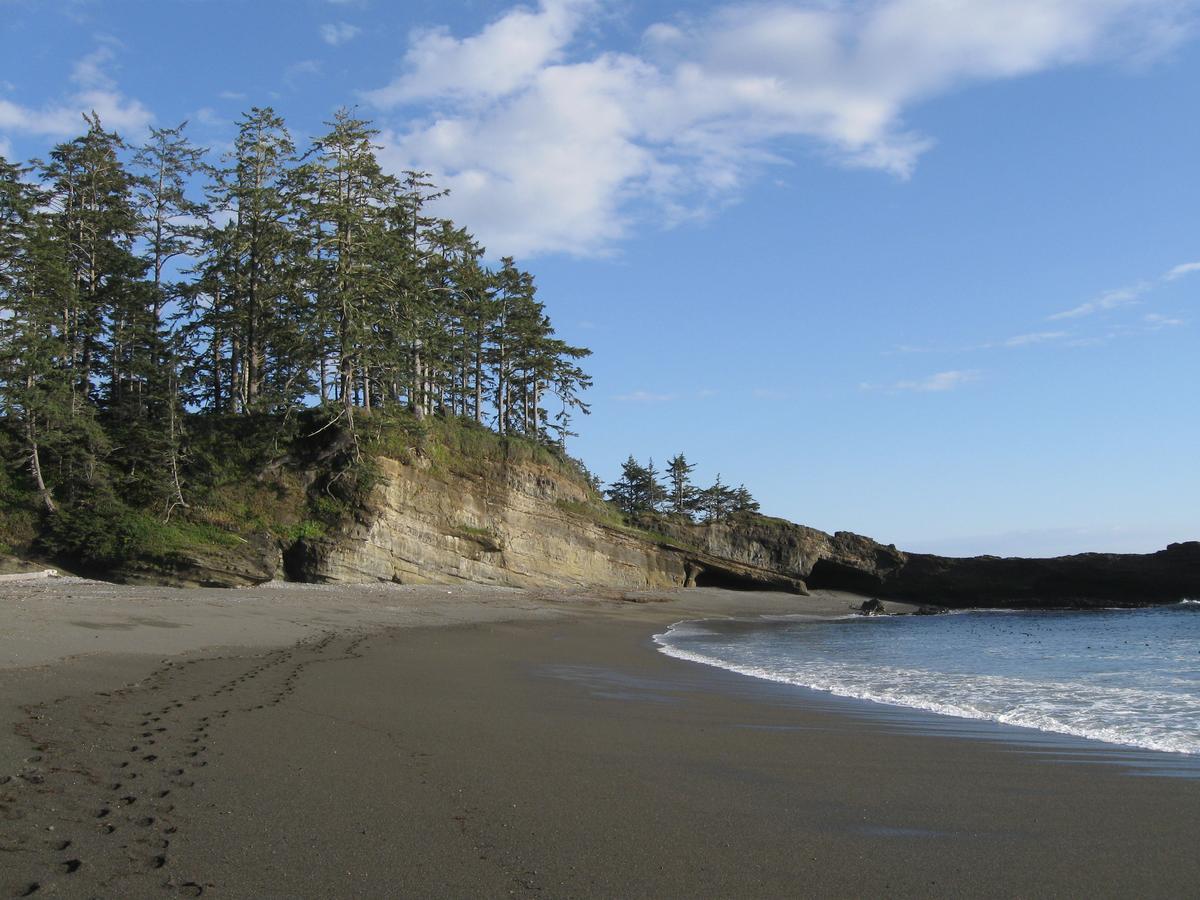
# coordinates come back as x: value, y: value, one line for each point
x: 1129, y: 677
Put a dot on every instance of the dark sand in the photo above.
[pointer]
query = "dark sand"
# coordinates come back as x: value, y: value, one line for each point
x: 560, y: 756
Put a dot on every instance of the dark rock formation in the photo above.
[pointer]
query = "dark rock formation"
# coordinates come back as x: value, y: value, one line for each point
x: 872, y: 607
x: 1083, y: 580
x: 255, y: 560
x: 851, y: 562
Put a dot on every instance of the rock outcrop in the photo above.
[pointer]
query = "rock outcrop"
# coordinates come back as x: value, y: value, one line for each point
x: 524, y: 525
x: 851, y: 562
x: 534, y: 524
x: 254, y: 559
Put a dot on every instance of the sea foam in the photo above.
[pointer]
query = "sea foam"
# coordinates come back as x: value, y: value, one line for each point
x: 1129, y: 677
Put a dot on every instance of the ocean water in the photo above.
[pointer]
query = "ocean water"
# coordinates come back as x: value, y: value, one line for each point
x: 1126, y: 677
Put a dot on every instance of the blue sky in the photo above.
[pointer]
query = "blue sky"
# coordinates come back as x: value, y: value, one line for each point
x: 913, y: 268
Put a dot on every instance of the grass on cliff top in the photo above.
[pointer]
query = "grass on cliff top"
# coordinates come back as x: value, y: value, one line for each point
x: 601, y: 512
x: 460, y: 445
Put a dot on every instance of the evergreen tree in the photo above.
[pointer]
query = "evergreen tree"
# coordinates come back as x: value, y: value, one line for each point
x: 628, y: 492
x: 638, y: 490
x: 742, y: 501
x: 36, y: 386
x: 682, y: 492
x: 129, y: 307
x: 715, y: 502
x: 106, y: 310
x: 345, y: 192
x: 171, y: 230
x: 256, y: 314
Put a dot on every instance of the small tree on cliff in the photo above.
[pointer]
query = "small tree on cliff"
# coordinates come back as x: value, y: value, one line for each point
x: 638, y: 490
x: 682, y: 496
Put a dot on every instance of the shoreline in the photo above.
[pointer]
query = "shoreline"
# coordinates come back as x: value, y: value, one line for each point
x: 918, y: 714
x: 535, y: 745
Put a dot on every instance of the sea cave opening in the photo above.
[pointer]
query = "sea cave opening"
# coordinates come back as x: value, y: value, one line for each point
x: 730, y: 581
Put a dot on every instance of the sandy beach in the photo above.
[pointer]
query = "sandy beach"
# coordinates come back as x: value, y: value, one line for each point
x: 390, y: 741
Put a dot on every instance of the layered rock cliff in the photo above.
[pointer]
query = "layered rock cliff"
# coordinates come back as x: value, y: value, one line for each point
x: 520, y: 525
x: 433, y: 516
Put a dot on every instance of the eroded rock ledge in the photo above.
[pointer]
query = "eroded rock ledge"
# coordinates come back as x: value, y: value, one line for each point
x: 531, y: 525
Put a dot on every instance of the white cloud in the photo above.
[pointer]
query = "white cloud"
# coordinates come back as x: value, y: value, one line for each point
x: 645, y: 397
x: 1108, y: 300
x: 232, y: 95
x: 1156, y: 321
x: 303, y: 69
x: 96, y: 92
x: 1181, y: 270
x: 337, y: 33
x: 1037, y: 337
x: 560, y: 147
x: 938, y: 383
x: 208, y: 116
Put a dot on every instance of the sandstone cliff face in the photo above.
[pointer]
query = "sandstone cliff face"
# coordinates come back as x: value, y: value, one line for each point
x: 525, y: 524
x: 514, y: 525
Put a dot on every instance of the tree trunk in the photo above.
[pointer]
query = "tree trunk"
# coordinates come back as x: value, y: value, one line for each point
x: 35, y: 466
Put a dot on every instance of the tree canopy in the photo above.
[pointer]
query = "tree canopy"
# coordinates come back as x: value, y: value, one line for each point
x: 144, y: 287
x: 639, y: 491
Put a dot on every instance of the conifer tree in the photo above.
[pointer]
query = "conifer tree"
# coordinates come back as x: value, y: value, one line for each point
x: 36, y: 388
x: 171, y: 230
x: 345, y: 192
x: 742, y: 501
x: 129, y: 307
x: 258, y: 313
x: 682, y: 493
x: 106, y: 310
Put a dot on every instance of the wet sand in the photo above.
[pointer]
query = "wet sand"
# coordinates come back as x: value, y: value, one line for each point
x: 504, y: 743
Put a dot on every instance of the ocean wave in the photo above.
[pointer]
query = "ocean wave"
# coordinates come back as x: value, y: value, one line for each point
x: 1124, y: 714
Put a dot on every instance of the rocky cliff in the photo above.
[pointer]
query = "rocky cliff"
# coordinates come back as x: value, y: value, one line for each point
x: 520, y: 525
x: 438, y: 517
x: 851, y: 562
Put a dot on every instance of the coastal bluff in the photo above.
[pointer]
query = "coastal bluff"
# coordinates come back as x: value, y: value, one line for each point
x: 449, y: 518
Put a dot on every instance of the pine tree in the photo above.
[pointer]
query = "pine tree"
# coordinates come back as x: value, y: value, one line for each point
x: 628, y: 492
x: 682, y: 493
x: 345, y: 192
x: 716, y: 502
x: 36, y: 390
x: 653, y: 492
x: 257, y: 313
x: 742, y: 501
x: 106, y: 320
x: 128, y: 307
x: 171, y: 230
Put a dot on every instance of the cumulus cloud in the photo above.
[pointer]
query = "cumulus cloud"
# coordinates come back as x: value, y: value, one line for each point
x: 337, y: 33
x: 549, y: 145
x: 95, y: 91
